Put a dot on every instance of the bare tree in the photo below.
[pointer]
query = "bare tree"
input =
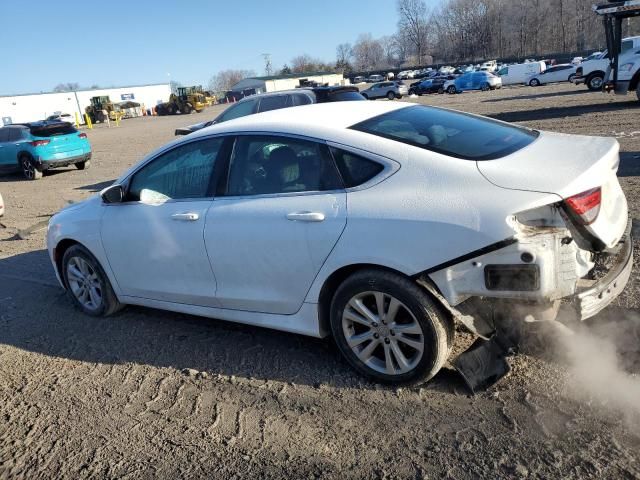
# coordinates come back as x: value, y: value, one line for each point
x: 224, y: 80
x: 413, y: 21
x: 66, y: 87
x: 368, y: 54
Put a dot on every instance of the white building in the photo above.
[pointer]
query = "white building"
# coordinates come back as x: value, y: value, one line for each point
x: 276, y: 83
x: 38, y: 106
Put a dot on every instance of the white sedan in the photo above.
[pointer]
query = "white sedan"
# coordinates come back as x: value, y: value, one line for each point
x: 557, y: 73
x: 377, y: 223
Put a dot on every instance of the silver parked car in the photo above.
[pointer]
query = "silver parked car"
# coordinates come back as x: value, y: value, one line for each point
x: 390, y: 90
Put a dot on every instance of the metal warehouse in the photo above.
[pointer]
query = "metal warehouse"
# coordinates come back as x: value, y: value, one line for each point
x: 276, y: 83
x: 38, y: 106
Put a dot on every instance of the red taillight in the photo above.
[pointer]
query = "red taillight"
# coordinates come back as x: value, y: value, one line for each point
x: 83, y: 135
x: 40, y: 143
x: 586, y: 205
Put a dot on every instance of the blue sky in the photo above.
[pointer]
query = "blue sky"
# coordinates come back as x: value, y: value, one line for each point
x: 142, y: 41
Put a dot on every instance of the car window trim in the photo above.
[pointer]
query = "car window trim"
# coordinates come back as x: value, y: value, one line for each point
x: 217, y: 170
x: 223, y: 182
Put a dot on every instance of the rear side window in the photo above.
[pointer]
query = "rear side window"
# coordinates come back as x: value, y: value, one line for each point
x: 300, y: 99
x: 355, y: 170
x: 53, y: 130
x: 273, y: 103
x: 455, y: 134
x: 4, y: 134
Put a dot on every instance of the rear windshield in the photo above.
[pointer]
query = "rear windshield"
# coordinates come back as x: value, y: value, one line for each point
x: 455, y: 134
x: 52, y: 130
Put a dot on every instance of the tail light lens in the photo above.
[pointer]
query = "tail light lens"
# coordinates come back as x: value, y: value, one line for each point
x: 40, y: 143
x: 586, y: 205
x: 83, y: 135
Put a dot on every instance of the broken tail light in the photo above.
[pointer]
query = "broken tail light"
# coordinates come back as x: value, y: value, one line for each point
x: 585, y: 205
x: 40, y: 143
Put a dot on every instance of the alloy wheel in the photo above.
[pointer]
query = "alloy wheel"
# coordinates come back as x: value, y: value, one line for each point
x: 383, y: 333
x: 84, y: 283
x: 28, y: 169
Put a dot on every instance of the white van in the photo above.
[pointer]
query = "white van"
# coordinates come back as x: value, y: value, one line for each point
x: 520, y: 72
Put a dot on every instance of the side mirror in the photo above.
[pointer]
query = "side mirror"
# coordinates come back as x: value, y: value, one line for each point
x: 113, y: 194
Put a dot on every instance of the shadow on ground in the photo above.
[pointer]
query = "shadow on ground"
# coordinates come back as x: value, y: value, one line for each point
x: 537, y: 96
x: 37, y: 316
x: 96, y: 187
x: 560, y: 112
x: 629, y: 164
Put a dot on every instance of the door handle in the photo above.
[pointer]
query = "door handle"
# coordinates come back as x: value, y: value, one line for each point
x: 186, y: 217
x: 306, y: 216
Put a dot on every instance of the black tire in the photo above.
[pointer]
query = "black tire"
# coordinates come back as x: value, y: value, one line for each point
x: 109, y: 302
x: 485, y: 87
x: 170, y: 110
x: 28, y: 169
x: 413, y: 92
x: 391, y: 95
x: 436, y: 326
x: 187, y: 109
x: 83, y: 165
x: 594, y: 82
x: 534, y: 82
x: 638, y: 91
x: 440, y: 91
x: 571, y: 77
x: 451, y: 89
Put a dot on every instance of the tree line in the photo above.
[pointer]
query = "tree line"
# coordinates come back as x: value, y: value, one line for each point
x: 461, y: 31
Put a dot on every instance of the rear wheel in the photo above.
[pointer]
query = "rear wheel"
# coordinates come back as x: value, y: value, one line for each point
x: 534, y: 82
x: 485, y: 87
x: 186, y: 109
x: 83, y: 165
x: 391, y: 95
x: 451, y: 89
x: 571, y: 77
x: 595, y: 81
x: 390, y: 329
x: 441, y: 90
x: 87, y: 284
x: 29, y: 170
x: 638, y: 91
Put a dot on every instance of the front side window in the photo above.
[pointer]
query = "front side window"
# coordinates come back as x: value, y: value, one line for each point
x: 242, y: 109
x: 455, y: 134
x: 183, y: 172
x: 272, y: 164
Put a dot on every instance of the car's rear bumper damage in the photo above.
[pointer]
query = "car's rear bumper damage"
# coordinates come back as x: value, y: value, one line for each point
x: 500, y: 318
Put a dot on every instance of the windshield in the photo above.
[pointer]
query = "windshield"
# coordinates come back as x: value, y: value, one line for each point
x: 451, y: 133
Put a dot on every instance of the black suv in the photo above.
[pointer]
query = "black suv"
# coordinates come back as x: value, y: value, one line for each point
x: 276, y: 100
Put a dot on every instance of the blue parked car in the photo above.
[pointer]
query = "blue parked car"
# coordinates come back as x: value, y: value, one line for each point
x: 473, y: 81
x: 38, y: 146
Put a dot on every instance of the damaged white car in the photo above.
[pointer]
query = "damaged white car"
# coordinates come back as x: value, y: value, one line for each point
x: 380, y: 224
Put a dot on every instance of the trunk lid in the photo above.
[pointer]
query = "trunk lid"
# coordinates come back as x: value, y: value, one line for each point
x: 567, y: 165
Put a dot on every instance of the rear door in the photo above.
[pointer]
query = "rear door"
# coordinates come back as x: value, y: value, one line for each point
x: 5, y: 158
x: 282, y: 211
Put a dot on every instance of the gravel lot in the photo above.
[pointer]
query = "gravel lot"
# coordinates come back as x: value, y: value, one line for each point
x: 150, y: 394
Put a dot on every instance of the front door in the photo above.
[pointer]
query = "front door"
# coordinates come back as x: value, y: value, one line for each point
x: 154, y: 239
x: 283, y: 211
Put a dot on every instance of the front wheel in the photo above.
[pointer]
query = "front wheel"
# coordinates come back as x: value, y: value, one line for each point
x: 87, y: 284
x: 440, y: 90
x: 451, y: 89
x: 389, y: 329
x: 485, y: 87
x: 29, y: 170
x: 391, y: 96
x: 571, y: 77
x: 534, y: 82
x: 595, y: 82
x: 638, y: 92
x: 83, y: 165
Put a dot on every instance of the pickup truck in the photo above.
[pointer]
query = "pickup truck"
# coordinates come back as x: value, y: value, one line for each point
x: 592, y: 72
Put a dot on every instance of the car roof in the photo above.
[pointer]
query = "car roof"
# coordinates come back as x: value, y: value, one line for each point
x: 319, y: 120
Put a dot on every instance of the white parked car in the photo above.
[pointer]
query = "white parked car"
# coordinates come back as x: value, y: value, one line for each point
x: 377, y: 223
x: 62, y: 117
x: 557, y: 73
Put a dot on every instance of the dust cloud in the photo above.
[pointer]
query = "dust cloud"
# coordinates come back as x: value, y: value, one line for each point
x: 603, y: 358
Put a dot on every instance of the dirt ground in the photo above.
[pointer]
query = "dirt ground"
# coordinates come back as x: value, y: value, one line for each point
x: 150, y: 394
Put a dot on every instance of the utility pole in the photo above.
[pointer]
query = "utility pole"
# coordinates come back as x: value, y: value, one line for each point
x: 267, y: 64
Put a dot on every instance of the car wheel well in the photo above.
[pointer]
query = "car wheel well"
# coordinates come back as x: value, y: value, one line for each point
x: 635, y: 81
x: 334, y: 281
x: 58, y: 254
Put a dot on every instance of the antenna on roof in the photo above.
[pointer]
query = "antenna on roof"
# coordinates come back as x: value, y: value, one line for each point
x: 267, y: 64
